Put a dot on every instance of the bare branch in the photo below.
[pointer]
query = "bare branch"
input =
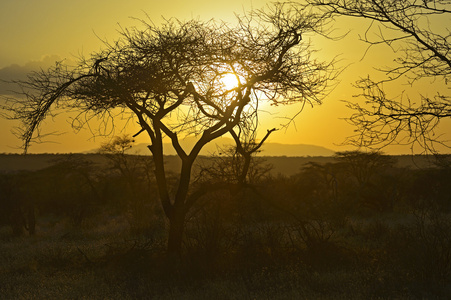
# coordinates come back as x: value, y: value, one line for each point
x: 422, y: 52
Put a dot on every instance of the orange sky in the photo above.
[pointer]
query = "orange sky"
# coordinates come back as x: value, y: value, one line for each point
x: 33, y: 30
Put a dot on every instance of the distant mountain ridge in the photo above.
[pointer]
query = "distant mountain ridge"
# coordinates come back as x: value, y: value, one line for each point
x: 284, y: 165
x: 268, y: 148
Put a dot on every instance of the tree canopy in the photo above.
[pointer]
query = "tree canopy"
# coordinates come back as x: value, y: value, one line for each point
x: 169, y: 79
x: 175, y: 71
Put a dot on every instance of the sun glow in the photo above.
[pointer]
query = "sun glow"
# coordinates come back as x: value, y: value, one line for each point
x: 229, y: 81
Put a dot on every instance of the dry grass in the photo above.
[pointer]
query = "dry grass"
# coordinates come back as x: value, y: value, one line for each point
x: 106, y: 262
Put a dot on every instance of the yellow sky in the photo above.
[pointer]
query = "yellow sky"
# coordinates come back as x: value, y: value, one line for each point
x: 32, y: 30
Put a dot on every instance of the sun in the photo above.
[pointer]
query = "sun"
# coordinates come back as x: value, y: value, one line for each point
x: 229, y: 81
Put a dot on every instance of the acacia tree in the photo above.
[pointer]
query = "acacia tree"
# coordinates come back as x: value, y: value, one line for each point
x: 418, y: 33
x: 170, y: 80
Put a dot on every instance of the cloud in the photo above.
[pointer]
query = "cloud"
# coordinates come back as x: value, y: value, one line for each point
x: 17, y: 72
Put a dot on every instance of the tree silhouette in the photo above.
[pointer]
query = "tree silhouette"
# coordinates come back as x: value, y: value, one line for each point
x: 418, y: 32
x: 137, y: 176
x: 168, y: 79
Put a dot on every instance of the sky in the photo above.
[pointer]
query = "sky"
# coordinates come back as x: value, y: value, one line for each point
x: 36, y: 33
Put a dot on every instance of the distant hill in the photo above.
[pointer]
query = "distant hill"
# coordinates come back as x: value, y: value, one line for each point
x: 33, y: 162
x: 287, y: 165
x: 268, y: 149
x: 276, y: 149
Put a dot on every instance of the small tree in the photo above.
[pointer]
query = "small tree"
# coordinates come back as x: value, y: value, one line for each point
x: 18, y: 201
x: 370, y: 173
x: 363, y: 166
x: 136, y: 173
x: 170, y: 79
x: 418, y: 32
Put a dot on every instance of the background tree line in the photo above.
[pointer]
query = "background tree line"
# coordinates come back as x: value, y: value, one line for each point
x: 76, y: 189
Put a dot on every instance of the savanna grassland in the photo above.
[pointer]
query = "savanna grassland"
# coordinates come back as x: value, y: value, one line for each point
x: 358, y: 226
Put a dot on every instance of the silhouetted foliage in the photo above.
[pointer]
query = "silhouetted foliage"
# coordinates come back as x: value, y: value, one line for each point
x: 136, y: 172
x: 168, y: 79
x: 370, y: 176
x: 17, y: 194
x: 307, y: 235
x: 418, y: 32
x: 71, y: 187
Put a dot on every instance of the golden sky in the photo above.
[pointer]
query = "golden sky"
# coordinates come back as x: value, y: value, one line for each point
x: 34, y: 33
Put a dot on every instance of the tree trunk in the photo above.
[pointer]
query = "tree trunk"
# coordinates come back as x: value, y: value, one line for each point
x: 176, y: 230
x: 177, y: 218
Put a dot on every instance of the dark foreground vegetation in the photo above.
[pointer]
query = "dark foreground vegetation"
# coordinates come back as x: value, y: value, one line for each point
x: 358, y: 227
